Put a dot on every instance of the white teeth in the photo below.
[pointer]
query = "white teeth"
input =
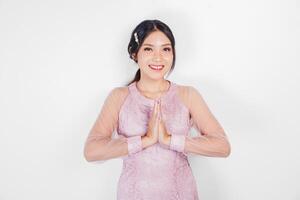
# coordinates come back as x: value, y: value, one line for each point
x: 157, y: 67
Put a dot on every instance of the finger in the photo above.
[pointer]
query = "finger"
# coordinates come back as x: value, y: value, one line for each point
x: 154, y: 110
x: 157, y: 124
x: 158, y: 111
x: 160, y: 108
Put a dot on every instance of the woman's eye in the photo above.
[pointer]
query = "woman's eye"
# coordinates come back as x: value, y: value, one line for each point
x: 147, y: 49
x: 167, y: 49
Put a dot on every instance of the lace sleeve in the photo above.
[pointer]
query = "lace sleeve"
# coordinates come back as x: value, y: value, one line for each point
x: 99, y: 145
x: 212, y: 140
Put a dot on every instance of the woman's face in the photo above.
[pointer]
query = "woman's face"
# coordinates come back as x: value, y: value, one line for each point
x: 155, y: 56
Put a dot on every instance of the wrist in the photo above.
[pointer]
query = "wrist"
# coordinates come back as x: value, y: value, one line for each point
x: 167, y: 140
x: 134, y: 144
x: 178, y: 143
x: 146, y: 141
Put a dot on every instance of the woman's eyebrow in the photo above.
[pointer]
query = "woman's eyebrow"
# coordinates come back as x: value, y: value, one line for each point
x: 167, y: 44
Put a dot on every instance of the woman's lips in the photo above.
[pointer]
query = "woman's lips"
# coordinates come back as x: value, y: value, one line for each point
x: 156, y: 67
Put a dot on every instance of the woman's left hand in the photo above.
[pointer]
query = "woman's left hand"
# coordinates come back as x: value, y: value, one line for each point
x: 163, y: 138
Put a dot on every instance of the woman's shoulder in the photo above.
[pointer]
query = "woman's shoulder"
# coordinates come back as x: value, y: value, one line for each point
x: 120, y: 91
x: 186, y: 90
x: 189, y: 94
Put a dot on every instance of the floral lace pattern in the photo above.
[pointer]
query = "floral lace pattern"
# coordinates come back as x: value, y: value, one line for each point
x: 155, y: 173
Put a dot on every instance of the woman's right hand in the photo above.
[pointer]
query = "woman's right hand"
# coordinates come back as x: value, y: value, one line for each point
x: 152, y: 132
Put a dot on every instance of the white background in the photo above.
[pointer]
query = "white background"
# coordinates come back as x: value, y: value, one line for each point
x: 59, y: 60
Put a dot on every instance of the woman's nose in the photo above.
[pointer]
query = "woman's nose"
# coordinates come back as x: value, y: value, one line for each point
x: 157, y: 55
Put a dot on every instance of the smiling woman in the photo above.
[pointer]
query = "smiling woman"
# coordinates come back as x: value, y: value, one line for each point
x: 153, y: 117
x: 156, y: 53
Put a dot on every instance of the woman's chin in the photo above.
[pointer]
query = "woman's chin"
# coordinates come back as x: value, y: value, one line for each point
x: 156, y: 76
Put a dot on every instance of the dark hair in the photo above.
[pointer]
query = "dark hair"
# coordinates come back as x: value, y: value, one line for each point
x: 142, y: 30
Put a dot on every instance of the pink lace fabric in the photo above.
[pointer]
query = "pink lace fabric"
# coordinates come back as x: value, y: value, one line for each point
x: 155, y: 172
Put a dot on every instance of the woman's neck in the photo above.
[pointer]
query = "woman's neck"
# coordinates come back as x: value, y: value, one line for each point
x: 156, y: 86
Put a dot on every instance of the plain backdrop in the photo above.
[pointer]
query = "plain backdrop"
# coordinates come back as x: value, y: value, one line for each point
x: 60, y: 59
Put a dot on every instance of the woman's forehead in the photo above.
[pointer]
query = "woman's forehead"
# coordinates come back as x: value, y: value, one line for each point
x: 157, y: 38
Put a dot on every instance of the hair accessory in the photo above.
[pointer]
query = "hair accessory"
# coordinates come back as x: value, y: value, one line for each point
x: 136, y: 37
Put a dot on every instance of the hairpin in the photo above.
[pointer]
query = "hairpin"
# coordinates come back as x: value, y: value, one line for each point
x: 136, y: 37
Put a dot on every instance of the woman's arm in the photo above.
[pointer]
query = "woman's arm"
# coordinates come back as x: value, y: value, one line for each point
x: 212, y: 141
x: 99, y: 145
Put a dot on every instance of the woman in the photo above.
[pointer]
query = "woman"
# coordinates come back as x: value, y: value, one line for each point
x: 153, y: 116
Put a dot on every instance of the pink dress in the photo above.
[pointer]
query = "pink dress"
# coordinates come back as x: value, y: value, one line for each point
x: 157, y: 172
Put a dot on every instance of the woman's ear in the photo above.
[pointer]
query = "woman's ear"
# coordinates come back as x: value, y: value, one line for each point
x: 134, y: 57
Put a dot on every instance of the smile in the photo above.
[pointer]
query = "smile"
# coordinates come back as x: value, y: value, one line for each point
x: 156, y: 67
